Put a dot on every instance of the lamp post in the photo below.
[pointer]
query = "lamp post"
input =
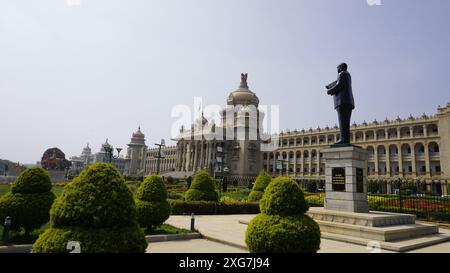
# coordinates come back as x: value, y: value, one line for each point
x: 159, y: 156
x: 110, y: 154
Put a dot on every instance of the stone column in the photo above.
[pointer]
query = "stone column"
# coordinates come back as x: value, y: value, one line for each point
x: 310, y: 163
x: 208, y: 144
x: 318, y: 163
x: 288, y: 163
x: 274, y: 173
x: 427, y: 160
x: 413, y: 160
x: 201, y: 154
x: 375, y: 153
x: 400, y: 161
x: 388, y: 162
x: 295, y: 163
x: 195, y: 155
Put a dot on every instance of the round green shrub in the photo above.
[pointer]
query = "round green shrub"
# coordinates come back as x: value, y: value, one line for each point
x: 95, y: 240
x: 261, y: 183
x: 152, y: 206
x: 255, y: 196
x: 282, y: 225
x: 311, y: 186
x: 152, y: 214
x: 202, y: 188
x: 152, y: 189
x: 29, y: 201
x: 32, y: 180
x: 283, y: 196
x: 198, y: 195
x: 97, y: 210
x: 282, y: 234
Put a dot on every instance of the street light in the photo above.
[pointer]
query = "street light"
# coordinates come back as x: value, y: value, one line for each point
x: 110, y: 152
x: 160, y: 155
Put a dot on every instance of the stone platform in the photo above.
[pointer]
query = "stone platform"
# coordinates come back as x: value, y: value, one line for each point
x: 392, y: 231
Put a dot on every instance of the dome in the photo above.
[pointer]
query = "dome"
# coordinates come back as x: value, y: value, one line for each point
x: 138, y: 134
x: 243, y: 95
x: 138, y: 138
x: 104, y: 145
x: 86, y: 150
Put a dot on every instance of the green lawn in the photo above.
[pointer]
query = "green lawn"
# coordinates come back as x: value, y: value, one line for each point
x: 167, y: 229
x: 3, y: 189
x: 238, y: 194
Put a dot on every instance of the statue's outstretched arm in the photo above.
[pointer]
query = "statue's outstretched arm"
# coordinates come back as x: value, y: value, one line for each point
x: 338, y: 87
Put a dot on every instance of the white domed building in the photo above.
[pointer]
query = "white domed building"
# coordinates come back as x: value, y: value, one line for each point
x: 136, y: 154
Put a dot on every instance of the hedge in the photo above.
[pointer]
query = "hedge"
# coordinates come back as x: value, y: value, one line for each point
x: 180, y: 207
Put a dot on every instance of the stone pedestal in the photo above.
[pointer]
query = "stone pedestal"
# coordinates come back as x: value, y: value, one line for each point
x: 346, y: 179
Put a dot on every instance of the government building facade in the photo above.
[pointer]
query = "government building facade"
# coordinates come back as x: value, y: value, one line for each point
x: 415, y: 148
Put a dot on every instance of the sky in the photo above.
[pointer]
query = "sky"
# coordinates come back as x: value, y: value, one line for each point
x: 80, y: 71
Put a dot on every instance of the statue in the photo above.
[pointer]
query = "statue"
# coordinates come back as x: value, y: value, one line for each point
x: 244, y: 80
x: 341, y: 90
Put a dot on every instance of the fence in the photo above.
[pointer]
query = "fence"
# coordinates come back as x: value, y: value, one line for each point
x: 428, y: 201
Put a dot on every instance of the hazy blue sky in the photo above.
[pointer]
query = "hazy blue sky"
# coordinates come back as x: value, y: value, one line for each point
x: 72, y: 74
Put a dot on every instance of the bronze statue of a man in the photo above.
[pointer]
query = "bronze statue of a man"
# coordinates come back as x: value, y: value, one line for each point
x: 341, y: 90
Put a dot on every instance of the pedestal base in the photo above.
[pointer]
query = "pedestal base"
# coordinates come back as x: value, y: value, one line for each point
x: 346, y: 179
x: 379, y: 226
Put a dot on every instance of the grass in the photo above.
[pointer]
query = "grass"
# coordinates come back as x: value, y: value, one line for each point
x: 167, y: 229
x: 19, y: 238
x: 238, y: 194
x: 4, y: 188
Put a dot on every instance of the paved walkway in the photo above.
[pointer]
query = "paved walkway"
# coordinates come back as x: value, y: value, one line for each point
x: 223, y: 233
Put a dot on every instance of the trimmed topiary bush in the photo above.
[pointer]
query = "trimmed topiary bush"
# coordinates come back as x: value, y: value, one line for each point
x: 29, y: 201
x: 282, y: 226
x: 151, y: 203
x: 262, y: 181
x: 202, y: 188
x: 97, y: 210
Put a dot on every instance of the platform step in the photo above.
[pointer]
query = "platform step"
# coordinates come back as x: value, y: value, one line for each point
x: 386, y: 234
x: 397, y: 246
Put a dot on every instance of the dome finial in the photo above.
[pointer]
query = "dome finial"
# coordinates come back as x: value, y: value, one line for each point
x: 244, y: 80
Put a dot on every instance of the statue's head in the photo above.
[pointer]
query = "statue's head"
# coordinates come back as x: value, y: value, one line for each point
x: 342, y: 67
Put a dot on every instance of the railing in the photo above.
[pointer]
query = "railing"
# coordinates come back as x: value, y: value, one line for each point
x: 427, y: 201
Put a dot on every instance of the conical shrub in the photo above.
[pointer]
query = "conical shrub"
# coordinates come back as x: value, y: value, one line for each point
x: 152, y: 206
x: 282, y: 226
x: 202, y: 188
x: 29, y: 201
x: 97, y: 211
x: 261, y: 183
